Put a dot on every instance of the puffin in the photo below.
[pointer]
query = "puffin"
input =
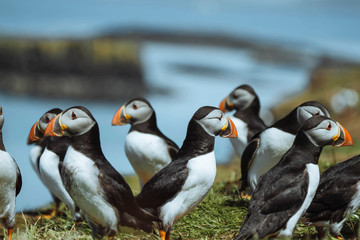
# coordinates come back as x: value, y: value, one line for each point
x: 50, y: 161
x: 96, y: 187
x: 337, y: 197
x: 10, y: 184
x: 37, y: 139
x: 268, y: 146
x: 146, y: 147
x: 246, y: 104
x: 285, y: 192
x: 182, y: 184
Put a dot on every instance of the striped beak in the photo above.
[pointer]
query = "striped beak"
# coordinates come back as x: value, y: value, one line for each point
x: 343, y: 138
x: 226, y: 105
x: 229, y: 130
x: 55, y: 128
x: 121, y: 118
x: 35, y: 133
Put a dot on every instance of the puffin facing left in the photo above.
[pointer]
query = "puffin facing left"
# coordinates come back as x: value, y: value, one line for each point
x: 146, y: 147
x: 95, y: 186
x: 10, y: 184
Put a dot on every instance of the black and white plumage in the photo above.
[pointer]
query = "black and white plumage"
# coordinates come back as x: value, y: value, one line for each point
x: 286, y: 191
x: 246, y: 103
x: 10, y: 184
x: 146, y: 147
x: 181, y: 185
x: 96, y: 187
x: 267, y: 147
x: 337, y: 197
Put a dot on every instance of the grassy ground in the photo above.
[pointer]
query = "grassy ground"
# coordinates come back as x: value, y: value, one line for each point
x: 221, y: 213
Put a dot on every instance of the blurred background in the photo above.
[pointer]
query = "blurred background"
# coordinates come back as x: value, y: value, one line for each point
x: 180, y: 55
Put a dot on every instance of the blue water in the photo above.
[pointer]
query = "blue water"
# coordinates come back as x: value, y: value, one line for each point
x: 314, y: 27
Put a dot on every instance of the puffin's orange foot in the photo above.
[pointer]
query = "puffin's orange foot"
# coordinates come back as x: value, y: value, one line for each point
x: 245, y: 195
x: 340, y: 238
x: 162, y: 235
x: 48, y: 216
x: 10, y: 231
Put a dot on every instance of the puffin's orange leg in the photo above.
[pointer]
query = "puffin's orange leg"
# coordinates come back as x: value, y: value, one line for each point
x: 10, y: 231
x: 245, y: 195
x: 162, y: 235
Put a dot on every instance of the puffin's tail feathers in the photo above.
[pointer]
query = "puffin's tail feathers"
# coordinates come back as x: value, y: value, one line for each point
x: 144, y: 220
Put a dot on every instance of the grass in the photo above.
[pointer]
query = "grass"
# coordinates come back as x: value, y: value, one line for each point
x: 221, y: 213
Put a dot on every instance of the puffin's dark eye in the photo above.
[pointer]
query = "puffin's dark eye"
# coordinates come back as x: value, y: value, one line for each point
x: 73, y: 116
x: 134, y: 106
x: 47, y: 119
x: 316, y: 114
x: 329, y: 127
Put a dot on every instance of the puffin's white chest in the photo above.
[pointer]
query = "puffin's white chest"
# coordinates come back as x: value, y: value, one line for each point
x: 273, y: 145
x: 314, y: 178
x: 35, y: 153
x: 241, y: 141
x: 8, y: 176
x: 84, y: 187
x: 147, y: 153
x: 202, y: 172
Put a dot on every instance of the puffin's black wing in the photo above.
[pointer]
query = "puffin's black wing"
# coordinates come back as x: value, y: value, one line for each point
x: 247, y: 158
x: 277, y: 197
x: 119, y: 194
x: 163, y: 186
x: 172, y: 147
x: 337, y: 187
x: 18, y: 179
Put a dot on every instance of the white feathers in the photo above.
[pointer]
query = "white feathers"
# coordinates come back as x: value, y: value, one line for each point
x: 147, y: 154
x: 274, y: 144
x: 202, y: 172
x: 84, y: 187
x: 35, y: 153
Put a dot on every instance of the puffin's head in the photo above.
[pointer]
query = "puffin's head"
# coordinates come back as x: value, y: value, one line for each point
x: 38, y: 129
x: 322, y: 131
x: 310, y: 109
x: 73, y: 121
x: 137, y: 110
x: 239, y: 99
x: 215, y: 122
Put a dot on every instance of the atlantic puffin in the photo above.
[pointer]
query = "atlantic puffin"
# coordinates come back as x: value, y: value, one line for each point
x: 286, y: 191
x: 337, y: 197
x: 93, y: 183
x: 246, y: 103
x: 10, y: 184
x: 182, y: 184
x: 268, y: 146
x: 50, y: 163
x: 146, y: 147
x: 37, y: 138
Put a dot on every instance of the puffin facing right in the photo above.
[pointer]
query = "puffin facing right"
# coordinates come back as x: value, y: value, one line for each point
x: 247, y: 121
x: 286, y: 191
x: 182, y: 184
x: 146, y: 147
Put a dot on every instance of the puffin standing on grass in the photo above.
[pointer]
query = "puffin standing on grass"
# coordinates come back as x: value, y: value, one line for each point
x: 146, y: 147
x: 50, y: 163
x: 286, y: 191
x: 246, y: 103
x: 337, y: 197
x: 10, y: 184
x: 267, y: 147
x: 36, y: 137
x: 182, y: 184
x: 96, y: 187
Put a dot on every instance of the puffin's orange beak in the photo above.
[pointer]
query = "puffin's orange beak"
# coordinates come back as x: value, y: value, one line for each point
x: 121, y: 118
x: 229, y: 130
x: 226, y: 105
x: 35, y: 133
x: 54, y: 128
x: 343, y: 138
